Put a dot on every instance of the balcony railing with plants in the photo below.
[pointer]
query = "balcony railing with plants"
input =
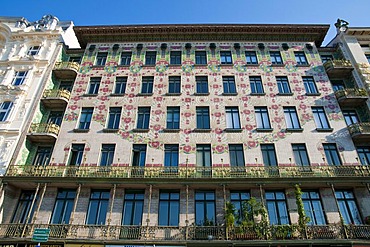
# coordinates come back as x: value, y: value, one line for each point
x: 57, y: 93
x: 67, y: 66
x: 359, y: 129
x: 338, y: 63
x: 44, y: 128
x: 351, y: 93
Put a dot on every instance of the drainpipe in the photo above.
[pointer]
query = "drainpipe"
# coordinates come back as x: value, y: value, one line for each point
x: 30, y: 211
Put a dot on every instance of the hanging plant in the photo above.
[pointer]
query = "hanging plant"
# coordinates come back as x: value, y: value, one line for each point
x: 302, y: 218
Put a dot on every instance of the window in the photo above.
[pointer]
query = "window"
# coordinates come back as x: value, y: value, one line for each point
x: 312, y: 207
x: 337, y: 85
x: 63, y: 206
x: 169, y: 208
x: 75, y: 59
x: 300, y: 58
x: 33, y: 50
x: 226, y: 57
x: 94, y: 85
x: 98, y: 207
x: 42, y: 157
x: 256, y: 84
x: 121, y: 83
x: 325, y: 58
x: 5, y: 108
x: 268, y: 155
x: 126, y: 58
x: 237, y: 198
x: 24, y: 208
x: 173, y: 117
x: 200, y: 57
x: 143, y: 118
x: 331, y: 154
x: 364, y: 155
x: 368, y: 57
x: 175, y: 57
x: 236, y: 155
x: 320, y: 118
x: 203, y: 121
x: 107, y: 154
x: 309, y: 85
x: 76, y: 156
x: 232, y: 118
x: 139, y: 155
x: 347, y: 207
x: 55, y: 117
x: 133, y: 207
x: 114, y: 117
x: 147, y: 85
x: 202, y: 84
x: 205, y: 208
x: 204, y: 155
x: 283, y: 85
x: 19, y: 78
x: 101, y: 58
x: 291, y: 118
x: 150, y: 57
x: 85, y: 118
x: 229, y: 84
x: 262, y: 118
x: 251, y: 57
x: 277, y: 208
x: 300, y: 155
x: 276, y: 57
x: 174, y: 85
x: 350, y: 116
x: 66, y: 85
x: 171, y: 155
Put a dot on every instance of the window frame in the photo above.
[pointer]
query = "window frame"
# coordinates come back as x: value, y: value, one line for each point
x: 85, y: 118
x: 291, y: 118
x: 310, y: 85
x: 94, y: 85
x: 313, y: 207
x: 229, y: 86
x: 101, y: 58
x: 143, y: 117
x: 107, y: 154
x: 203, y: 155
x: 283, y: 85
x: 171, y: 155
x: 76, y: 154
x: 363, y: 154
x: 114, y: 118
x: 43, y: 156
x: 300, y: 58
x: 277, y: 202
x: 232, y: 117
x: 172, y: 203
x: 345, y: 209
x: 256, y: 85
x: 65, y: 197
x: 150, y: 58
x: 200, y: 58
x: 262, y: 118
x: 350, y: 117
x: 251, y: 57
x: 300, y: 154
x: 24, y: 206
x: 208, y: 202
x: 201, y: 85
x: 125, y: 58
x: 331, y: 150
x: 147, y: 85
x: 174, y: 84
x: 203, y: 118
x: 175, y: 57
x: 173, y: 117
x: 5, y: 109
x: 138, y: 155
x: 269, y: 157
x: 226, y: 57
x: 321, y: 120
x: 136, y: 199
x: 236, y: 155
x: 100, y: 216
x: 120, y: 85
x: 19, y: 77
x: 33, y: 50
x: 276, y: 58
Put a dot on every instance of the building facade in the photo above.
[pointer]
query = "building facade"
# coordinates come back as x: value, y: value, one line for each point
x: 194, y: 135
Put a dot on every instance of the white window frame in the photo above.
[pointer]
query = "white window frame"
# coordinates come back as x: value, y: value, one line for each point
x: 5, y: 110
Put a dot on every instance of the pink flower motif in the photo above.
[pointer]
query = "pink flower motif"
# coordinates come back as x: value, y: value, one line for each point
x: 331, y: 106
x: 216, y: 100
x: 215, y: 86
x: 79, y: 90
x: 269, y: 84
x: 300, y: 97
x: 187, y: 100
x: 160, y: 85
x: 218, y: 131
x: 104, y: 98
x: 129, y: 107
x: 187, y: 86
x: 105, y: 90
x: 220, y: 148
x: 327, y: 97
x: 157, y: 127
x: 159, y: 98
x: 217, y: 114
x: 245, y: 98
x: 127, y: 120
x: 335, y: 117
x: 306, y: 116
x: 131, y: 95
x: 281, y: 134
x: 125, y: 135
x: 158, y: 112
x: 76, y: 98
x: 247, y: 112
x: 243, y: 85
x: 73, y: 107
x: 249, y: 127
x: 275, y: 107
x: 252, y: 144
x: 277, y: 119
x: 298, y: 89
x: 187, y: 114
x: 302, y: 106
x: 187, y: 149
x: 101, y: 107
x: 155, y: 144
x: 187, y: 131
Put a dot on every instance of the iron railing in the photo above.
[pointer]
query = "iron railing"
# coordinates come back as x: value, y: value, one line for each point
x: 67, y: 66
x: 351, y: 93
x: 337, y: 63
x: 57, y: 93
x: 47, y: 128
x: 359, y: 128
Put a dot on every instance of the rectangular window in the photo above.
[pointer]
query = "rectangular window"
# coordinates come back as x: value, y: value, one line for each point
x: 76, y: 156
x: 309, y: 85
x: 121, y: 83
x: 300, y: 58
x: 101, y: 58
x: 205, y: 208
x: 75, y: 59
x: 55, y: 117
x: 63, y: 206
x: 98, y: 207
x: 24, y: 207
x: 147, y: 85
x: 139, y: 155
x: 169, y: 208
x: 236, y: 154
x: 173, y: 117
x: 19, y: 78
x: 364, y: 155
x: 204, y: 155
x: 350, y: 116
x: 237, y: 198
x: 251, y: 57
x: 85, y: 118
x: 66, y: 85
x: 33, y: 50
x: 276, y: 57
x: 283, y: 85
x: 174, y: 84
x: 143, y: 118
x: 203, y: 121
x: 126, y: 58
x: 226, y: 57
x: 232, y: 118
x: 107, y: 154
x: 171, y: 155
x: 313, y: 208
x: 133, y: 207
x: 331, y: 154
x: 256, y: 85
x: 368, y: 57
x: 262, y: 118
x: 150, y: 57
x: 175, y: 57
x: 291, y: 118
x: 5, y: 108
x: 300, y: 155
x: 229, y: 84
x: 325, y: 58
x: 269, y: 155
x: 347, y: 207
x: 200, y: 58
x: 202, y: 84
x: 94, y: 85
x: 337, y: 85
x: 114, y: 117
x: 277, y: 208
x: 42, y: 157
x: 320, y: 118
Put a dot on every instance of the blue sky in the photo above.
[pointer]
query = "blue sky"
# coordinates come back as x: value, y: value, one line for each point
x: 122, y: 12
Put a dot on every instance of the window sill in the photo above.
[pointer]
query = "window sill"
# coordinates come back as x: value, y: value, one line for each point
x: 117, y: 94
x: 233, y: 130
x: 107, y: 130
x: 173, y: 94
x: 302, y: 65
x: 149, y: 65
x: 140, y: 130
x: 257, y: 94
x: 264, y: 129
x: 252, y: 64
x: 229, y: 94
x: 285, y: 94
x: 201, y: 130
x: 313, y: 94
x: 144, y: 94
x: 294, y: 129
x: 81, y: 130
x: 90, y: 95
x: 98, y: 65
x: 226, y: 64
x: 278, y: 65
x: 201, y: 94
x: 171, y: 130
x: 324, y: 130
x: 175, y: 65
x: 124, y: 65
x: 200, y: 64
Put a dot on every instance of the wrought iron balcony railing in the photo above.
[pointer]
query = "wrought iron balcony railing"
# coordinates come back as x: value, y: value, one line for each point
x: 351, y: 96
x: 360, y: 130
x: 338, y: 67
x: 44, y: 128
x: 66, y: 69
x: 57, y: 93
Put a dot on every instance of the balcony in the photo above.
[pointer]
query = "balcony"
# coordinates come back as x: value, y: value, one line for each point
x: 55, y: 98
x: 338, y: 68
x: 351, y: 96
x: 66, y: 70
x: 43, y: 132
x: 360, y: 132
